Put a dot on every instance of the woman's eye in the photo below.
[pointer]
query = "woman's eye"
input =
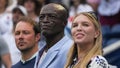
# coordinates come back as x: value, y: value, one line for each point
x: 74, y: 25
x: 85, y: 24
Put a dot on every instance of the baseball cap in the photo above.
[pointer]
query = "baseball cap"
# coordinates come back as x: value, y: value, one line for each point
x: 21, y: 8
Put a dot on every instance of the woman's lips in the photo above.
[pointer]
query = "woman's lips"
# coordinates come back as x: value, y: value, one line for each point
x: 79, y: 35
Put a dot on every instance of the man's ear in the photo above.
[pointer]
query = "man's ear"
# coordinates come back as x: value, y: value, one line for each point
x: 37, y: 37
x: 64, y: 24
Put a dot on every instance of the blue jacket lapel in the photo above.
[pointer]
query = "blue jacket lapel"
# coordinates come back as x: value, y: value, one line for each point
x: 52, y: 53
x: 49, y: 58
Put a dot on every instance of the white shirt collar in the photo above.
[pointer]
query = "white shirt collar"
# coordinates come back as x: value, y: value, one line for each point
x: 23, y: 61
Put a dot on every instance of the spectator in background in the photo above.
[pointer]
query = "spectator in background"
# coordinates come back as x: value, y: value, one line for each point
x: 86, y: 51
x: 109, y: 11
x: 94, y: 4
x: 43, y: 2
x: 78, y: 6
x: 6, y: 24
x: 19, y: 2
x: 17, y: 12
x: 33, y: 8
x: 13, y: 3
x: 53, y: 54
x: 27, y: 36
x: 4, y: 54
x: 53, y: 1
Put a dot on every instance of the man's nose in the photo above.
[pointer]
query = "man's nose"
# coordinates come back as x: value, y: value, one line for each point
x: 21, y: 36
x: 45, y: 20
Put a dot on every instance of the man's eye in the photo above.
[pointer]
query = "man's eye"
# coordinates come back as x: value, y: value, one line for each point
x: 26, y: 32
x: 52, y: 16
x: 17, y: 33
x: 41, y: 16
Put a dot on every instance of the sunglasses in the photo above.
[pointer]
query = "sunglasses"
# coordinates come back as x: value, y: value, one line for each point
x: 94, y: 15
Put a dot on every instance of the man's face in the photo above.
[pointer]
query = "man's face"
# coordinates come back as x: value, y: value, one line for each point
x: 16, y: 15
x: 25, y: 37
x: 50, y: 21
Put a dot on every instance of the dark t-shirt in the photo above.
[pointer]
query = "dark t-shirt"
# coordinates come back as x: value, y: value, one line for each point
x: 28, y: 64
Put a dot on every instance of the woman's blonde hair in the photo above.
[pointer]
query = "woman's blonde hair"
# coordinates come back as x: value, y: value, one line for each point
x: 97, y: 48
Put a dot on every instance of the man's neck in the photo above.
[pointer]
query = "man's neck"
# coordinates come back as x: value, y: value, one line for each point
x: 51, y: 40
x: 28, y: 54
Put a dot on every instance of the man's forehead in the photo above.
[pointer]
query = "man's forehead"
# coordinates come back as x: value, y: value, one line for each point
x: 24, y: 26
x: 52, y: 7
x: 57, y: 6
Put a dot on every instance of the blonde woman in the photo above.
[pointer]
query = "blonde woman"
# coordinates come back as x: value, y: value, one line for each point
x: 86, y: 51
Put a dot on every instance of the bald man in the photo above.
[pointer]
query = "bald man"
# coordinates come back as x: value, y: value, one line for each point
x: 53, y: 54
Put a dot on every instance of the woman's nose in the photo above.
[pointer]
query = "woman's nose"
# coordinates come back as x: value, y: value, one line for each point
x: 79, y: 27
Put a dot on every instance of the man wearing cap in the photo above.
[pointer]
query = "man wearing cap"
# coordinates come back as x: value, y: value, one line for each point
x: 17, y: 12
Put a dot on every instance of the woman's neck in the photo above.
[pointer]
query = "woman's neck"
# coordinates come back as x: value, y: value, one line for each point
x: 82, y: 50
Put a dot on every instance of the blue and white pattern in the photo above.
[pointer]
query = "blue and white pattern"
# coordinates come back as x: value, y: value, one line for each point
x: 98, y: 62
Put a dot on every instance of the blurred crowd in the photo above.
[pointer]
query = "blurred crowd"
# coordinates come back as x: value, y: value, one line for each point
x: 107, y: 12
